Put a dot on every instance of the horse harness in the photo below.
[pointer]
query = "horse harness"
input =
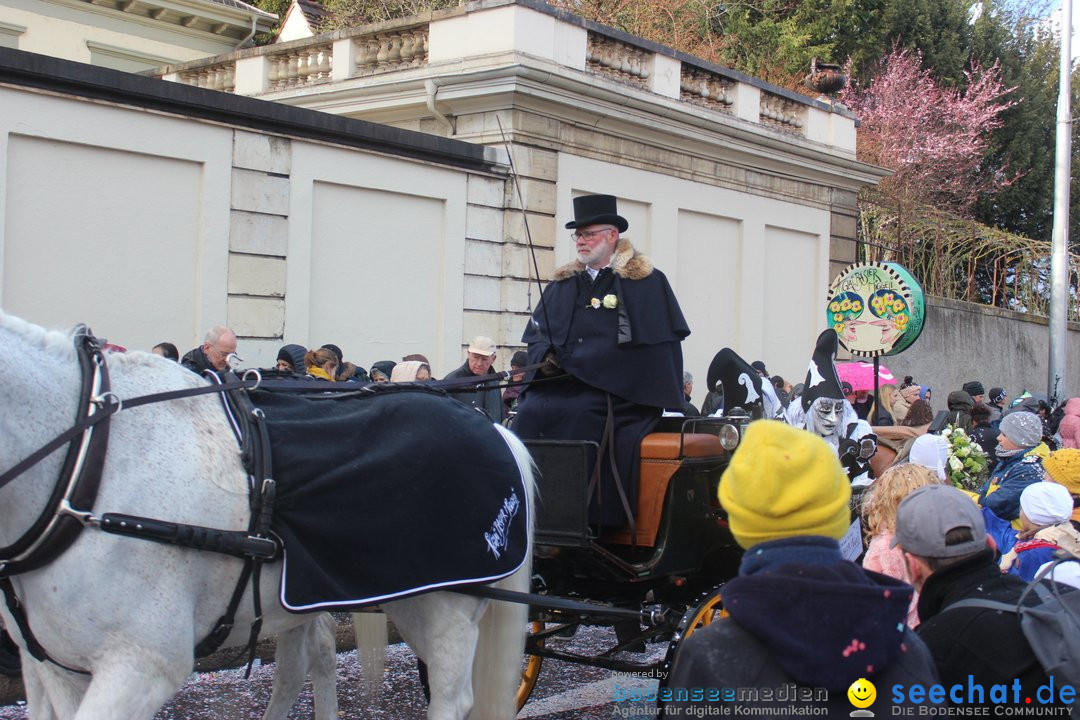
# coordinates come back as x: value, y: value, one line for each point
x: 69, y: 508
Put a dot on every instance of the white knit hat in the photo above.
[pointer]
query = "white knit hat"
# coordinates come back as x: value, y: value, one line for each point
x: 1046, y: 503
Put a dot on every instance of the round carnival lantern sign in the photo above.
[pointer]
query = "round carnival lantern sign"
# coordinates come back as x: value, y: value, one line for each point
x: 876, y: 308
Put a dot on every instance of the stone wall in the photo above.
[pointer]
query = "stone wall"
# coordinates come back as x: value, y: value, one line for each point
x: 198, y: 208
x: 964, y: 341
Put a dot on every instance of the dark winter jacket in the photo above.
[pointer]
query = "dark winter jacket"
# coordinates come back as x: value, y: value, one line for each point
x: 986, y: 644
x: 196, y: 361
x: 802, y: 614
x: 985, y: 436
x: 488, y: 399
x: 960, y: 404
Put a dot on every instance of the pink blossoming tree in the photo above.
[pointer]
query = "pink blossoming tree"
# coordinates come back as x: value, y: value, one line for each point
x: 934, y: 138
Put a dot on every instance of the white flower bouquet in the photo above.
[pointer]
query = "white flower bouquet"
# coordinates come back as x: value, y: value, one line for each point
x: 968, y: 466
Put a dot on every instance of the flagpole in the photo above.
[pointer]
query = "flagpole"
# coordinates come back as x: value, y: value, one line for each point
x: 1059, y: 255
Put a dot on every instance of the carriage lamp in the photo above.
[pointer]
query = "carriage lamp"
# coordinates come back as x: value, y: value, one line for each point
x: 729, y: 437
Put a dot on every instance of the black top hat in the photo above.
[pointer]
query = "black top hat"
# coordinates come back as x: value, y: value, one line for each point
x: 597, y: 210
x: 742, y: 385
x: 821, y: 378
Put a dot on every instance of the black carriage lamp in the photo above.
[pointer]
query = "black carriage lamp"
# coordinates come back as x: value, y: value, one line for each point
x: 825, y: 78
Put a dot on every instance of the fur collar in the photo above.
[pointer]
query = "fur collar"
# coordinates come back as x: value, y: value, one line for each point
x: 627, y: 263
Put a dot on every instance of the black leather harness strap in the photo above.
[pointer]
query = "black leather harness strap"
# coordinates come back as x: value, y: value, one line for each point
x: 69, y: 508
x: 74, y: 493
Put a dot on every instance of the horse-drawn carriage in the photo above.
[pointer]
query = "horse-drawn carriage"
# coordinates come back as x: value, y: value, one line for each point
x: 657, y: 579
x: 111, y: 622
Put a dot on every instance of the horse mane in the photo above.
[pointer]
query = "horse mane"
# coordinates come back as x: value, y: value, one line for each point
x: 58, y: 343
x: 53, y: 342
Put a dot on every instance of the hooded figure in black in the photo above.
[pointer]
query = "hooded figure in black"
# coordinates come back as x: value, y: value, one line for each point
x: 610, y: 329
x: 744, y: 387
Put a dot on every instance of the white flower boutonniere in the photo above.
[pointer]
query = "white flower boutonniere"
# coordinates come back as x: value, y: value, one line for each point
x: 610, y: 302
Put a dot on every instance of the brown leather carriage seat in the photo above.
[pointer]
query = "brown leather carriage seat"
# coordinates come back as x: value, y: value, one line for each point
x: 662, y: 454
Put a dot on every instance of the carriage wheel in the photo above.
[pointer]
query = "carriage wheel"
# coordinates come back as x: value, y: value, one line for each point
x: 709, y: 608
x: 530, y: 669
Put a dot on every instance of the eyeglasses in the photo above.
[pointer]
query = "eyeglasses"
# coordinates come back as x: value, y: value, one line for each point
x: 588, y: 234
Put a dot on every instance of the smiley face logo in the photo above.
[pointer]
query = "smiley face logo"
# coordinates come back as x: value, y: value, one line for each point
x: 862, y: 693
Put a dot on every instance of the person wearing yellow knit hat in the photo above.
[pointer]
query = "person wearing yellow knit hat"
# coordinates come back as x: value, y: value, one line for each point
x: 799, y: 613
x: 787, y: 483
x: 1063, y: 467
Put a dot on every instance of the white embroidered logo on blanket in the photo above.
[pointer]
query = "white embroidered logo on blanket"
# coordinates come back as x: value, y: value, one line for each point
x: 498, y: 538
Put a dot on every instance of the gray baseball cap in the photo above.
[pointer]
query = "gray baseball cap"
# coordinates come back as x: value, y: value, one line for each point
x: 927, y: 514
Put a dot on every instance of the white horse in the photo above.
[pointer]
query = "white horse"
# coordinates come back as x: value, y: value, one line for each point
x: 129, y: 611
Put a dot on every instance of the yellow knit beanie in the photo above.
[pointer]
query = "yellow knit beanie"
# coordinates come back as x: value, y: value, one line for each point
x: 784, y: 482
x: 1063, y: 467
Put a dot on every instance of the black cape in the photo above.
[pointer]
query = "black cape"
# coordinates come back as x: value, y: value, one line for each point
x: 644, y: 363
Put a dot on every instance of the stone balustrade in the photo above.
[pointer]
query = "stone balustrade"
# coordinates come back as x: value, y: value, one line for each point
x: 782, y: 113
x: 300, y: 67
x: 618, y: 60
x: 393, y: 50
x: 221, y: 76
x: 445, y: 42
x: 702, y: 87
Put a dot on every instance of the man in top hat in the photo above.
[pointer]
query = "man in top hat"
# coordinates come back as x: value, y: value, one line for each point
x: 610, y: 329
x: 822, y: 409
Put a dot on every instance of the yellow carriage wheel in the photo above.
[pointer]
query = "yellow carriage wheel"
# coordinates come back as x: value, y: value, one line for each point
x: 709, y: 608
x: 530, y: 668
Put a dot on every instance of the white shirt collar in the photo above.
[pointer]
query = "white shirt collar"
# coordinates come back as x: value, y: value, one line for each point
x: 593, y: 272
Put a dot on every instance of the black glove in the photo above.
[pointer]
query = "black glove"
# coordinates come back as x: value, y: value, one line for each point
x: 551, y: 365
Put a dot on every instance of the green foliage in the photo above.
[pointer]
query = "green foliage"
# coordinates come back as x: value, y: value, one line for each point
x: 350, y: 13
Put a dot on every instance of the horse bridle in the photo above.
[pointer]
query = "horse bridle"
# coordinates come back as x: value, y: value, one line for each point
x: 80, y: 476
x: 70, y: 505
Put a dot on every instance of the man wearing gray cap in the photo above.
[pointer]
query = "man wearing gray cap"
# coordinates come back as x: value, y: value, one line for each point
x: 943, y: 537
x: 1020, y: 432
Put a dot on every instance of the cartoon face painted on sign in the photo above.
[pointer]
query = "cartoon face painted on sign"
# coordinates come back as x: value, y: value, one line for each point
x: 844, y: 311
x: 875, y: 308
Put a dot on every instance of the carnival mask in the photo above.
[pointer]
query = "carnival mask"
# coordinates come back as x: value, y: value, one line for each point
x: 827, y: 414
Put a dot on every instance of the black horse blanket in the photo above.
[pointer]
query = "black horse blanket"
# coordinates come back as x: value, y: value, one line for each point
x: 387, y: 493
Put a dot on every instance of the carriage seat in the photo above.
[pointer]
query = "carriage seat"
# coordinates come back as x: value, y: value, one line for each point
x: 662, y: 454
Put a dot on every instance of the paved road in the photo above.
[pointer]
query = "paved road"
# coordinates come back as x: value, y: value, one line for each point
x: 564, y: 691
